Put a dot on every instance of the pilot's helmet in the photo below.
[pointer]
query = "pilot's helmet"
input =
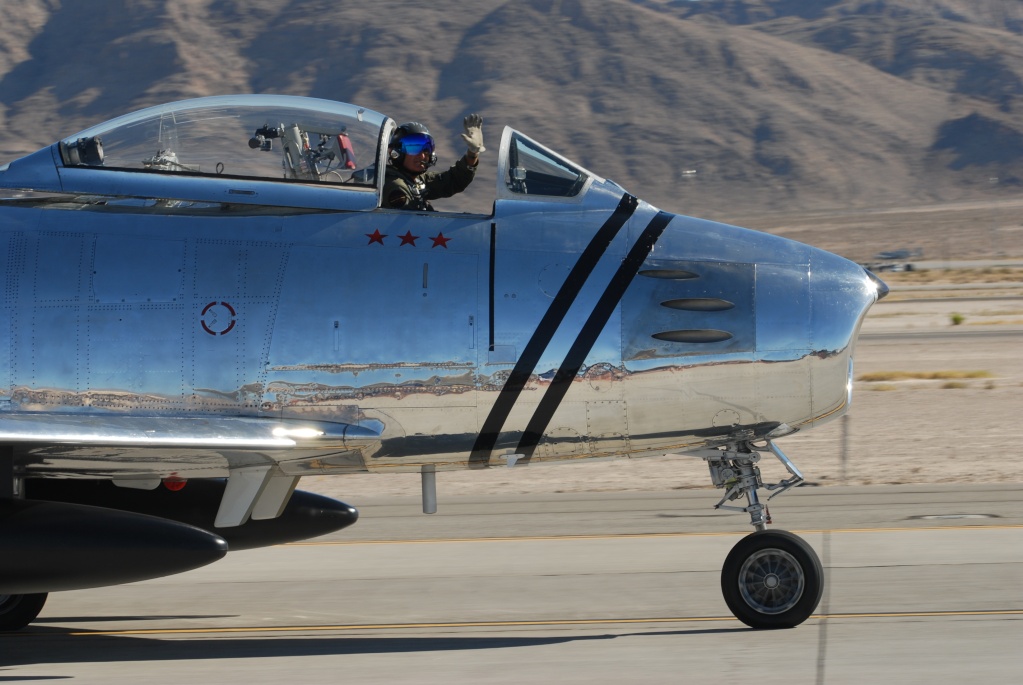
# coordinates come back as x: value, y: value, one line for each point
x: 411, y: 138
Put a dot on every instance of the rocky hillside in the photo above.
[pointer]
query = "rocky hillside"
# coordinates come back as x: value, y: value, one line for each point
x: 774, y: 104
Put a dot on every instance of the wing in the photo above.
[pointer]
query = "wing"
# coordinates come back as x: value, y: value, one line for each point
x: 262, y: 459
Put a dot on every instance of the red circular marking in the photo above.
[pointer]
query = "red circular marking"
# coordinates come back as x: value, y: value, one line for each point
x: 215, y: 324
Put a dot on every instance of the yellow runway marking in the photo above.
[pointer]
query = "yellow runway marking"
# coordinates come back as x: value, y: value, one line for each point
x: 624, y: 536
x: 526, y: 624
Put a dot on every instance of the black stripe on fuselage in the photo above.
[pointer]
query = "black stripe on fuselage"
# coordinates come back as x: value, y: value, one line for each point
x: 541, y: 338
x: 493, y: 261
x: 588, y: 335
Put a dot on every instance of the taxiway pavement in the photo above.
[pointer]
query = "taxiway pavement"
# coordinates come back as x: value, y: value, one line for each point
x: 924, y: 586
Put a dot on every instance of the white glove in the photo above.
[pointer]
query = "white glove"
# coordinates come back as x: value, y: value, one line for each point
x: 473, y: 135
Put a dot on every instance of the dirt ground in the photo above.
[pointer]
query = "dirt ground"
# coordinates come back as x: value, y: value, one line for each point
x: 902, y: 429
x: 946, y: 232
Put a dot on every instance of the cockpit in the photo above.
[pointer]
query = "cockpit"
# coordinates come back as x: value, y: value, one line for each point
x: 242, y: 136
x: 272, y: 150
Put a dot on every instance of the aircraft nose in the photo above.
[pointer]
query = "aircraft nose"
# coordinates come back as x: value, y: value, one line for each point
x: 713, y: 298
x: 841, y: 292
x: 882, y: 287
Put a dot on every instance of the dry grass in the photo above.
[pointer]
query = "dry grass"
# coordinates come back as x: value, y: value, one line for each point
x: 1000, y: 274
x: 997, y: 322
x: 880, y: 376
x: 999, y: 312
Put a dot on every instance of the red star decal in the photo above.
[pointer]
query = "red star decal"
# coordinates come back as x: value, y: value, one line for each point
x: 408, y: 239
x: 376, y: 237
x: 441, y: 241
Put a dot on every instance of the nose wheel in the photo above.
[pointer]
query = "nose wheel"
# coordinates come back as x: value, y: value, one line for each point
x: 772, y: 579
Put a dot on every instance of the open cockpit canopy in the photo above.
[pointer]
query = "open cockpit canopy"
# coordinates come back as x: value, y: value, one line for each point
x: 266, y: 150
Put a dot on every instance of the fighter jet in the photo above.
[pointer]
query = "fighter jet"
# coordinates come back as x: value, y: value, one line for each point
x: 904, y: 253
x: 204, y: 301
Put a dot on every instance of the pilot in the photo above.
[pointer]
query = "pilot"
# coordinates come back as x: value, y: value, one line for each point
x: 408, y: 184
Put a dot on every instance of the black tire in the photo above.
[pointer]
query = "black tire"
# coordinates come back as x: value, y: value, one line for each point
x: 772, y: 579
x: 17, y: 611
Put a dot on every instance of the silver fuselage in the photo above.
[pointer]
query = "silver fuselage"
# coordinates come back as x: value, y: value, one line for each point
x: 191, y: 340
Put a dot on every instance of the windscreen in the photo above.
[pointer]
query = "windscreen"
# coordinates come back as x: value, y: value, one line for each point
x: 533, y: 170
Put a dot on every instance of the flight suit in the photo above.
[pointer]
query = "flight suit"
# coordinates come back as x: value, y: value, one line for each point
x: 404, y: 191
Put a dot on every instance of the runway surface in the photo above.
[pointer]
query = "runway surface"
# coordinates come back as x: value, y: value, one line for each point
x: 925, y: 584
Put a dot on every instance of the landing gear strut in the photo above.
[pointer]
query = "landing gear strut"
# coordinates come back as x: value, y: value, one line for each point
x: 770, y: 579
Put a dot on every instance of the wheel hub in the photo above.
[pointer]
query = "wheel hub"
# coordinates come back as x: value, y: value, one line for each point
x: 771, y: 581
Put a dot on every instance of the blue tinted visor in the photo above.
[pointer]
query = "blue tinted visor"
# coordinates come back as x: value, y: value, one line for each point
x: 414, y: 143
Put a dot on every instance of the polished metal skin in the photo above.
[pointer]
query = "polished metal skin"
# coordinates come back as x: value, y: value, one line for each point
x: 204, y: 310
x: 209, y: 289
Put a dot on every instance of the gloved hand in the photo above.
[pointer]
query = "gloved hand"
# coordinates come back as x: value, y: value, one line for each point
x: 473, y: 135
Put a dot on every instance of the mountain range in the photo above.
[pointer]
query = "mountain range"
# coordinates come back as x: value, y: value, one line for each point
x: 707, y: 107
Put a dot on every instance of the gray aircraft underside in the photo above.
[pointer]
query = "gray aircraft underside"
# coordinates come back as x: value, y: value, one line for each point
x: 208, y: 289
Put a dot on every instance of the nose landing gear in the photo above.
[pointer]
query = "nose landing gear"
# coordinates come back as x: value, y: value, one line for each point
x: 770, y: 579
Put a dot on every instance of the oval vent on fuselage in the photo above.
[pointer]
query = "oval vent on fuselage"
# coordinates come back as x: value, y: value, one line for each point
x: 705, y: 335
x: 669, y: 274
x: 699, y: 304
